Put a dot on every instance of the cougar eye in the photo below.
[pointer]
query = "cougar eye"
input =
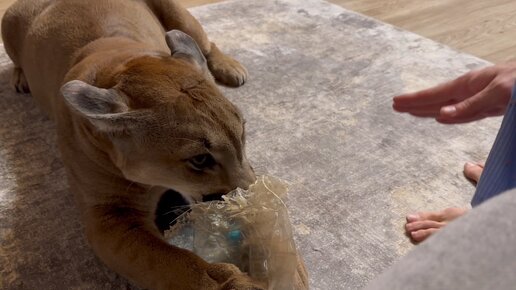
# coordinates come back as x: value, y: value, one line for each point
x: 202, y: 162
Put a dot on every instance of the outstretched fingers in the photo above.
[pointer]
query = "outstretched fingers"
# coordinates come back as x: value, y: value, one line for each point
x: 433, y: 97
x: 473, y: 96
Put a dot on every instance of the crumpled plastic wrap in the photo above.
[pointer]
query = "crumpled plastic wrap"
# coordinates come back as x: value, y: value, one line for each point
x: 249, y: 228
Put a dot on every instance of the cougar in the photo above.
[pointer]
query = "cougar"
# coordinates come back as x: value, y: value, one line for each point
x: 131, y: 88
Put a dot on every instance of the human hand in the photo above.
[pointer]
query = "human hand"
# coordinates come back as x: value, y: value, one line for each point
x: 473, y: 96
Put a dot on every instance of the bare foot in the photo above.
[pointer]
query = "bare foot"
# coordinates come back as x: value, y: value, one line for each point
x: 421, y: 225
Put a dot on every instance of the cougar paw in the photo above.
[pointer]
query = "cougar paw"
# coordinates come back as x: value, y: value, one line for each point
x: 230, y: 277
x: 225, y: 69
x: 19, y: 82
x: 241, y: 283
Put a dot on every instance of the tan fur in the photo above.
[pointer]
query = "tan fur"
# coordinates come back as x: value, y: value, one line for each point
x: 159, y: 112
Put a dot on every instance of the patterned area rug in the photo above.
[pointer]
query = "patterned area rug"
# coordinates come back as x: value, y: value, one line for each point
x: 318, y: 106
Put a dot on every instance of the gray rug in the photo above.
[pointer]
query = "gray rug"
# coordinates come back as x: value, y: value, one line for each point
x: 318, y: 106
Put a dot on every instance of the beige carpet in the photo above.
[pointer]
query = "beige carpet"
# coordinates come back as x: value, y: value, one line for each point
x: 318, y: 106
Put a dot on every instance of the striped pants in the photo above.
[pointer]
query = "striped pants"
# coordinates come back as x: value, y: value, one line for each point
x: 499, y: 172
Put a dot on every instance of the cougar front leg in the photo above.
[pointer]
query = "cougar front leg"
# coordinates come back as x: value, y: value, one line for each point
x: 131, y: 245
x: 224, y: 68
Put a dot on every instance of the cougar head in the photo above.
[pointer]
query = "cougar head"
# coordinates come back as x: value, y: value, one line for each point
x: 167, y: 122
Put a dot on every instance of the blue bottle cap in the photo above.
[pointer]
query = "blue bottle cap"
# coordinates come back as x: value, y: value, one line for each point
x: 235, y: 235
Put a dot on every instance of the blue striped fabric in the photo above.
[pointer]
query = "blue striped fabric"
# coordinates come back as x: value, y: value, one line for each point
x: 499, y: 172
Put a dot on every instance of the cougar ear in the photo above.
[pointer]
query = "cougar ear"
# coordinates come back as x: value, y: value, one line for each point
x: 104, y: 108
x: 183, y: 46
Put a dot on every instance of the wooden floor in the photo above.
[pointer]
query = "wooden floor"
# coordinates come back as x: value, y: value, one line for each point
x: 485, y: 28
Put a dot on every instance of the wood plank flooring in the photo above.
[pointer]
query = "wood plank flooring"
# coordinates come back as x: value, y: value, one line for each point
x: 484, y: 28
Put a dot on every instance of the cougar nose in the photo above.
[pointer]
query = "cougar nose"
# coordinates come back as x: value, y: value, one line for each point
x: 247, y: 178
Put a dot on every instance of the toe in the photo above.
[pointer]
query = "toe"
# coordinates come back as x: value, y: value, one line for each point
x: 421, y: 235
x: 431, y: 216
x: 452, y: 213
x: 473, y: 171
x: 235, y: 76
x: 423, y: 225
x: 413, y: 217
